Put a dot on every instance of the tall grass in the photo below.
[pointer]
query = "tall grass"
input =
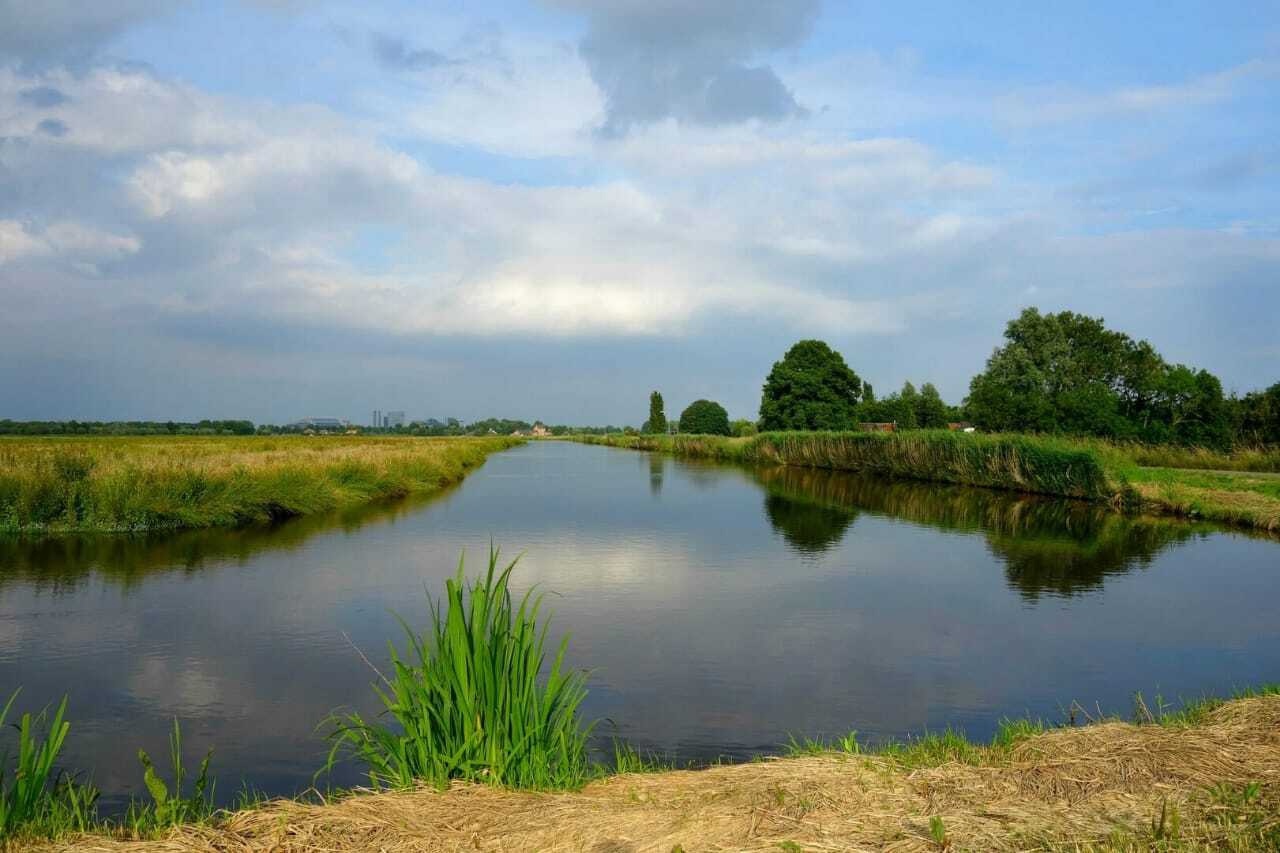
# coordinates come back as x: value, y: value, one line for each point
x: 1251, y: 459
x: 34, y: 798
x: 467, y: 700
x: 1033, y: 464
x: 135, y: 484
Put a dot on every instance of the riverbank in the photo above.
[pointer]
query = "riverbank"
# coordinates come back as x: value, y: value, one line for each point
x: 1206, y: 778
x: 1060, y: 467
x: 51, y: 486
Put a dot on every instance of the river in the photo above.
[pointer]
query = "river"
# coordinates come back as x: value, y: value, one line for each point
x: 719, y: 609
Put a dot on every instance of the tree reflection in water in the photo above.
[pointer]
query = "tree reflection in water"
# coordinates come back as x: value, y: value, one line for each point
x: 1048, y: 546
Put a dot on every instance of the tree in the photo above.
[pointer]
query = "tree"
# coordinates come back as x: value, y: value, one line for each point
x: 657, y: 415
x: 705, y: 417
x: 811, y: 388
x: 1068, y: 373
x: 742, y: 428
x: 931, y: 412
x: 1258, y: 416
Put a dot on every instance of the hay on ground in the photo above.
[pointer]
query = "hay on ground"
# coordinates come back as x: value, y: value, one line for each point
x: 1065, y: 789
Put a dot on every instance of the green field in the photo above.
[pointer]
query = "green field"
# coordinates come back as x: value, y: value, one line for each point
x: 1089, y: 469
x: 128, y: 484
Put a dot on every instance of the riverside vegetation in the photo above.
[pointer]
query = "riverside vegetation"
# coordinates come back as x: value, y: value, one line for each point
x: 133, y: 484
x: 477, y: 748
x: 1088, y: 469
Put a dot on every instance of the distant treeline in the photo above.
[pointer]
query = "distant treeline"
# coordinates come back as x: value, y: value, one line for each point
x: 234, y: 427
x: 431, y: 426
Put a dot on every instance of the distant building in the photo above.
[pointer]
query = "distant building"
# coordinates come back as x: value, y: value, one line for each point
x: 393, y: 419
x: 539, y: 429
x: 321, y: 424
x: 961, y: 426
x: 879, y: 427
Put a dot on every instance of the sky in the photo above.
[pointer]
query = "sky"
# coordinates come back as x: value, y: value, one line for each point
x: 274, y: 209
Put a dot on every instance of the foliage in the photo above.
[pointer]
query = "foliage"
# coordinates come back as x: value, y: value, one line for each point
x: 1068, y: 373
x: 467, y: 701
x: 33, y: 799
x: 704, y: 417
x: 1258, y: 416
x: 743, y: 428
x: 170, y: 808
x: 73, y: 427
x: 810, y: 388
x: 657, y: 415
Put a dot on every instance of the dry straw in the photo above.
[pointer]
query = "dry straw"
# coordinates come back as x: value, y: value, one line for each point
x: 1074, y: 789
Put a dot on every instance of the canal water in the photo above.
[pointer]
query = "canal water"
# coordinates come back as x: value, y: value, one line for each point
x: 719, y: 610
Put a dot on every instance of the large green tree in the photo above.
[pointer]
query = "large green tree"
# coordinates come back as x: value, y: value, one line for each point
x: 657, y: 414
x: 1068, y: 373
x: 705, y: 417
x: 811, y: 388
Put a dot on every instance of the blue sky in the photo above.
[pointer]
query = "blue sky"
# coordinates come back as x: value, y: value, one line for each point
x: 279, y: 208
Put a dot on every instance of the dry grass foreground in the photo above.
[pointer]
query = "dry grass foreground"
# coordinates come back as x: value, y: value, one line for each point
x: 1098, y: 787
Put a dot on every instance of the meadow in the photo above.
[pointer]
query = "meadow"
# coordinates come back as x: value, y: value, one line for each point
x: 135, y: 484
x: 1116, y: 474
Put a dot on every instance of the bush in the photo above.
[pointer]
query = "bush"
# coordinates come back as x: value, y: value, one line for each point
x: 704, y: 417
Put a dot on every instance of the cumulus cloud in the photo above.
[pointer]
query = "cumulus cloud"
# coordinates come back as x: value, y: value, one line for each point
x: 698, y: 63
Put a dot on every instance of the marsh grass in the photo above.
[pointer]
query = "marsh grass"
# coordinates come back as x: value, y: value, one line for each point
x: 36, y: 799
x: 467, y: 698
x: 1088, y: 469
x: 1032, y: 464
x: 64, y: 485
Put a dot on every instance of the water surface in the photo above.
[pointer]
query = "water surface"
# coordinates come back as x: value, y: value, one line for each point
x: 719, y: 609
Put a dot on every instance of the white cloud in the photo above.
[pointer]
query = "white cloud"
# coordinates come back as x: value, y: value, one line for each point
x: 1053, y: 105
x: 72, y: 240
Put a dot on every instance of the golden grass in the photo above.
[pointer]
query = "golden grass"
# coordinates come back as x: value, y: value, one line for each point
x: 1102, y: 787
x: 81, y: 484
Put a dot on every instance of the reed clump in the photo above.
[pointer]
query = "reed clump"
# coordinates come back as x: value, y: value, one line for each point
x: 97, y: 484
x: 467, y: 699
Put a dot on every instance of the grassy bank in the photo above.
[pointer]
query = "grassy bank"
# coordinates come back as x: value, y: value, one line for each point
x: 1205, y: 778
x: 66, y: 485
x: 1090, y: 470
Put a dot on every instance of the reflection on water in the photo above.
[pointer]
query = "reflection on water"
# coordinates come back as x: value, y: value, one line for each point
x: 63, y: 564
x: 1048, y: 546
x: 719, y: 608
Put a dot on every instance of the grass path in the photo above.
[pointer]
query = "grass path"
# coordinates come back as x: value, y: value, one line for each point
x: 1208, y: 783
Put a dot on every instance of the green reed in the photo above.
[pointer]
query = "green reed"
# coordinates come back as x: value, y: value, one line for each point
x: 466, y: 701
x: 1033, y: 464
x: 35, y: 800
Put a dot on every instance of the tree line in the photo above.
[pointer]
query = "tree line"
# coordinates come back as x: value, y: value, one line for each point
x: 1055, y: 373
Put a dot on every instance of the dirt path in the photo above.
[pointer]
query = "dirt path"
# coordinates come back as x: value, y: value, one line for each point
x: 1067, y: 789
